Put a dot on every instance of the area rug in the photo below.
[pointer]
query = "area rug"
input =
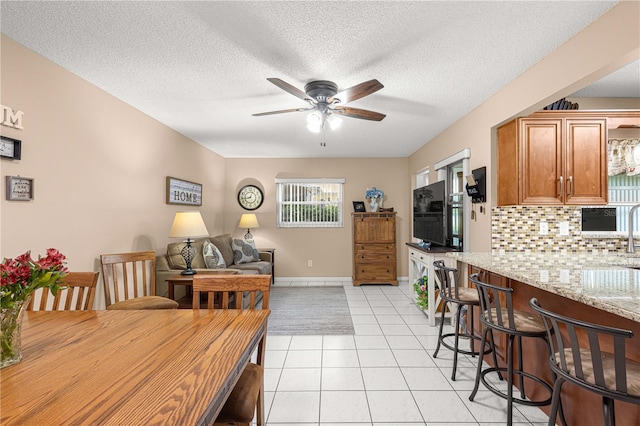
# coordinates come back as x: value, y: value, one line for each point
x: 309, y: 310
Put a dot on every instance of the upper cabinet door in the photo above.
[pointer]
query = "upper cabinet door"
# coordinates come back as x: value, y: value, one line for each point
x: 586, y: 161
x: 541, y: 159
x: 553, y: 160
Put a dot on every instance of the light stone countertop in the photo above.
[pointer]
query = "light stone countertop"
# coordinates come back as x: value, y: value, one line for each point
x: 604, y: 281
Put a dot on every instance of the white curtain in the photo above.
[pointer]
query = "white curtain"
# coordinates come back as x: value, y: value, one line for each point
x: 624, y: 157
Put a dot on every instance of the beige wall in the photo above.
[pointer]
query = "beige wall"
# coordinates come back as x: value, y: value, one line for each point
x: 601, y: 48
x: 328, y: 248
x: 99, y: 167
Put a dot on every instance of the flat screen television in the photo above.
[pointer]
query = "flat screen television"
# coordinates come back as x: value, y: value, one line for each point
x: 430, y: 213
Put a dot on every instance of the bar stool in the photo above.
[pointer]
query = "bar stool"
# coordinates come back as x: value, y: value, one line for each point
x: 460, y: 296
x: 497, y: 314
x: 576, y: 357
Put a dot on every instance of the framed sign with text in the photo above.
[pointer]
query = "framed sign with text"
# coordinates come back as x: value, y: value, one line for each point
x: 19, y: 188
x: 183, y: 192
x: 10, y: 148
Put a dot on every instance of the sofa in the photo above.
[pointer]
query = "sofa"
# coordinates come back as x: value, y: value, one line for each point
x: 246, y: 259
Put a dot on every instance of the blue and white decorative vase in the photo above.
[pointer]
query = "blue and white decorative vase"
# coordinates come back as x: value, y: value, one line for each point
x: 375, y: 196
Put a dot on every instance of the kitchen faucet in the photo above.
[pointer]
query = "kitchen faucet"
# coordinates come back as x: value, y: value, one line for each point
x: 632, y: 245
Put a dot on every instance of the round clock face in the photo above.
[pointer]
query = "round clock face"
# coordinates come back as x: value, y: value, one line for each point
x: 250, y: 197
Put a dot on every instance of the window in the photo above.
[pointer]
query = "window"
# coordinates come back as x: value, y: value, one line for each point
x: 422, y: 178
x: 624, y: 192
x: 309, y: 203
x: 624, y: 185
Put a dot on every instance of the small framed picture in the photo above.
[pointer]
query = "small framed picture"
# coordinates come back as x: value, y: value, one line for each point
x: 10, y: 148
x: 358, y: 206
x: 19, y: 188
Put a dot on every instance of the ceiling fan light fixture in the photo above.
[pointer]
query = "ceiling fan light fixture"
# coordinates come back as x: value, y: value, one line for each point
x: 315, y: 122
x: 334, y: 121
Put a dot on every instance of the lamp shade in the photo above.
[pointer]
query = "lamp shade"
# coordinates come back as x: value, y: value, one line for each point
x: 188, y: 225
x: 249, y: 221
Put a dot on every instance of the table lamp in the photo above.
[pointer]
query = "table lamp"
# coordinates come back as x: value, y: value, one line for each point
x: 188, y: 225
x: 248, y: 220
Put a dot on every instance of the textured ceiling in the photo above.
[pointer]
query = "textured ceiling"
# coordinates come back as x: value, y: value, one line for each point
x: 201, y: 67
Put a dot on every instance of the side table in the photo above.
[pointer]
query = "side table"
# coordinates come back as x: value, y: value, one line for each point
x: 187, y: 280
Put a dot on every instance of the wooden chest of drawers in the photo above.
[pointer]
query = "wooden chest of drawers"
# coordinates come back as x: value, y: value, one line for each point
x: 374, y: 248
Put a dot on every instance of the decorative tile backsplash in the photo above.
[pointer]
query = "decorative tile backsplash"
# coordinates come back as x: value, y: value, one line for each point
x: 517, y: 228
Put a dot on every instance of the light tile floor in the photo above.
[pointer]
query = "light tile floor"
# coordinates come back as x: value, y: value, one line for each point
x: 383, y: 375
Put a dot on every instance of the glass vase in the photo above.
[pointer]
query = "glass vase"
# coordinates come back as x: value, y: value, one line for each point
x: 11, y: 333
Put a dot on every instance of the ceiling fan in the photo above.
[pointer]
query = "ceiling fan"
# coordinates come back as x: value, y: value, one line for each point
x: 323, y: 98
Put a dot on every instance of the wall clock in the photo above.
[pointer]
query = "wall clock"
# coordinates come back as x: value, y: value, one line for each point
x: 10, y: 148
x: 250, y: 197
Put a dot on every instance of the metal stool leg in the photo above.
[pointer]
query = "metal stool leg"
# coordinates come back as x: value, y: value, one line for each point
x: 480, y: 358
x: 493, y: 353
x: 522, y: 392
x: 555, y: 401
x: 510, y: 380
x: 455, y: 344
x: 444, y: 306
x: 608, y: 412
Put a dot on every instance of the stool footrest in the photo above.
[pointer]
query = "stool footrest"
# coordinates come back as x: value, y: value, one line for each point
x: 464, y: 351
x: 503, y: 395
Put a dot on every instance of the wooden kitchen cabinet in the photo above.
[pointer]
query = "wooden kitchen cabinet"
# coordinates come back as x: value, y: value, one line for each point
x: 374, y: 248
x: 552, y: 159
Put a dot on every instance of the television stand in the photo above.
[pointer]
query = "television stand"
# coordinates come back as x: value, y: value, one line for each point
x: 421, y: 264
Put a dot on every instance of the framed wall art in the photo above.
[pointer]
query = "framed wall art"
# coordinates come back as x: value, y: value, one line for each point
x: 19, y: 188
x: 10, y: 148
x: 358, y: 206
x: 183, y: 192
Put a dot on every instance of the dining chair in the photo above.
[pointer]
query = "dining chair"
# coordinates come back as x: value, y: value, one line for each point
x: 130, y: 282
x: 247, y: 396
x: 576, y: 356
x: 77, y: 293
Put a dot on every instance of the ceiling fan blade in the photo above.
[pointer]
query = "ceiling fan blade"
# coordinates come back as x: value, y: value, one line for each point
x: 359, y: 113
x: 356, y: 92
x: 291, y: 89
x: 282, y: 111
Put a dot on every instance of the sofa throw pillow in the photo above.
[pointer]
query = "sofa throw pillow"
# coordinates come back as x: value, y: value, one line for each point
x: 223, y: 242
x: 212, y: 257
x: 244, y: 252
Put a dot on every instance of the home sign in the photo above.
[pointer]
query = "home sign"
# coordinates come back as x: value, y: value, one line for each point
x: 11, y: 118
x: 183, y: 192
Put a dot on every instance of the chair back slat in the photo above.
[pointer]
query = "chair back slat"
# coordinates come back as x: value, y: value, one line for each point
x: 577, y: 355
x: 596, y: 357
x: 619, y: 350
x: 128, y: 275
x: 494, y: 302
x: 226, y: 285
x: 446, y: 279
x: 77, y: 293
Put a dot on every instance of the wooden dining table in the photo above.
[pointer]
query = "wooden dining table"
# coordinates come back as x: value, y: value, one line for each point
x: 169, y: 367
